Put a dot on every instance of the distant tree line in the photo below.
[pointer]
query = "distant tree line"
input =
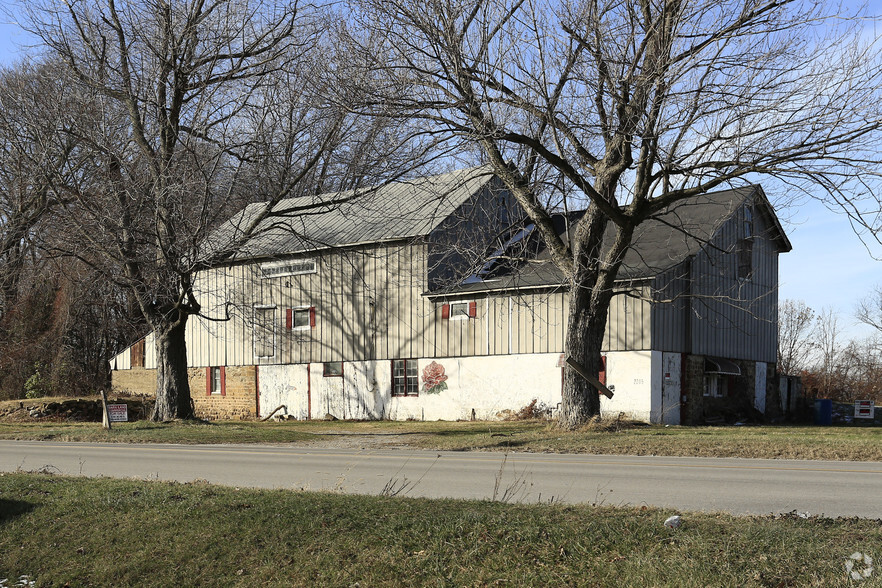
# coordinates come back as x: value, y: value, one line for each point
x: 813, y: 346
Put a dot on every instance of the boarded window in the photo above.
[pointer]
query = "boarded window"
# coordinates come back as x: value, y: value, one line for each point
x: 405, y: 377
x: 264, y: 331
x: 138, y: 352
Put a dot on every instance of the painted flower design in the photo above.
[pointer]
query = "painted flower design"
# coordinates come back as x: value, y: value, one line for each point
x: 434, y: 378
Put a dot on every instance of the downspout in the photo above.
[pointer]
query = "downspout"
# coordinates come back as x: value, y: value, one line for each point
x: 257, y: 390
x: 308, y: 393
x: 687, y: 335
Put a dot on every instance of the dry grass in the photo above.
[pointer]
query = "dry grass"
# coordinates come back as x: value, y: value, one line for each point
x: 160, y: 534
x: 616, y: 436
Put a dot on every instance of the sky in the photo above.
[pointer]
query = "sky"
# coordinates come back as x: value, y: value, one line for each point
x: 829, y: 266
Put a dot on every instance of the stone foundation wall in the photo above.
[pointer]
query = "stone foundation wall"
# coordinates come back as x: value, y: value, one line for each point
x: 240, y: 400
x: 134, y: 382
x: 738, y: 402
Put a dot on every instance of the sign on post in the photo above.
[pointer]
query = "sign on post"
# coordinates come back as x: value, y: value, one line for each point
x: 864, y: 409
x: 118, y: 413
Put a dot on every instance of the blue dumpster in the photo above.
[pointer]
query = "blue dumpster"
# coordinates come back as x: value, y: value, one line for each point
x: 824, y: 412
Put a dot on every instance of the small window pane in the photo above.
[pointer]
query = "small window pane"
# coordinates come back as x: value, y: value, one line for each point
x: 405, y: 377
x: 459, y: 310
x: 301, y: 318
x: 332, y: 368
x: 215, y: 380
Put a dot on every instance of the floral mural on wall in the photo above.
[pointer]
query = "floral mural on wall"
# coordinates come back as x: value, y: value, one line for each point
x: 434, y: 378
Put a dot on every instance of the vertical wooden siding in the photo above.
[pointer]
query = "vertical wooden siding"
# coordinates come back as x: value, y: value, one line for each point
x: 369, y: 304
x: 732, y: 317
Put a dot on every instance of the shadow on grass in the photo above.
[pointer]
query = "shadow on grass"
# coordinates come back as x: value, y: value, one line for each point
x: 10, y: 509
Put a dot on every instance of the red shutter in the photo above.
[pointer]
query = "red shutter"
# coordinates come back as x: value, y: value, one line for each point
x: 312, y: 317
x: 223, y: 379
x: 602, y: 375
x: 208, y: 381
x: 445, y: 312
x: 473, y: 309
x: 289, y: 318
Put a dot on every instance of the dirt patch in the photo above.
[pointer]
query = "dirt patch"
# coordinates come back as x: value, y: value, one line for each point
x: 350, y: 440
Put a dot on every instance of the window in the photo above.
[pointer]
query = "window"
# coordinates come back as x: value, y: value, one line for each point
x: 716, y: 385
x: 216, y: 381
x: 748, y: 222
x: 332, y: 369
x: 264, y: 331
x: 405, y: 377
x: 459, y: 311
x: 292, y: 267
x: 301, y: 318
x: 744, y: 252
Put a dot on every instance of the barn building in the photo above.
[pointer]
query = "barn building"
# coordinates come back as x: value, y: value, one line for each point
x: 434, y: 299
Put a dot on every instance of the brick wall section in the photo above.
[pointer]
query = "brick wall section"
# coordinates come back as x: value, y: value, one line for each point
x: 136, y: 381
x: 240, y: 400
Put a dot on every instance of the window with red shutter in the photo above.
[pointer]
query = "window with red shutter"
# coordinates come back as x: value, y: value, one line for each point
x: 216, y: 381
x: 461, y: 310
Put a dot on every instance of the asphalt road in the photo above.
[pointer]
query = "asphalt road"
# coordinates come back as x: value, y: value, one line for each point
x: 738, y: 486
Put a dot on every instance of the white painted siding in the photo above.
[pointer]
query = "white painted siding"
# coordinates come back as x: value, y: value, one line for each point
x: 637, y: 387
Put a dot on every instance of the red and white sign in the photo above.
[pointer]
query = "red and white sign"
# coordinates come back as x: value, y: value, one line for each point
x: 864, y: 409
x: 118, y: 413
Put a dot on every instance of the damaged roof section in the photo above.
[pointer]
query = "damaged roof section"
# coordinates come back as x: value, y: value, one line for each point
x: 660, y: 243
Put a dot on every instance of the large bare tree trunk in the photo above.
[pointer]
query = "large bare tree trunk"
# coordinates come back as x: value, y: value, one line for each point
x: 173, y: 399
x: 580, y: 400
x: 591, y: 290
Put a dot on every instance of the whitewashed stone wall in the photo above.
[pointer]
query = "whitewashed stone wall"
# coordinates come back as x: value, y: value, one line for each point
x: 487, y: 388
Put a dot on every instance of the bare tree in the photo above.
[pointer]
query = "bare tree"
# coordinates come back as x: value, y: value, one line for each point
x: 869, y: 310
x: 34, y: 103
x: 179, y: 129
x: 627, y: 107
x: 796, y: 323
x: 828, y: 336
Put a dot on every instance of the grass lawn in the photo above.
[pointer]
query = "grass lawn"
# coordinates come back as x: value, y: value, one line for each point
x: 833, y: 443
x: 100, y: 532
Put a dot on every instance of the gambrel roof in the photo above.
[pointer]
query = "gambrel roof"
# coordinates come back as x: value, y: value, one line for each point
x: 399, y: 210
x: 660, y: 243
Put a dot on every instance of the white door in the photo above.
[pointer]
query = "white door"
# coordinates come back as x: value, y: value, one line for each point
x: 670, y: 405
x: 284, y: 385
x: 759, y: 398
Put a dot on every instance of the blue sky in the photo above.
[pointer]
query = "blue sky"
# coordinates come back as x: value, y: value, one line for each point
x: 829, y: 266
